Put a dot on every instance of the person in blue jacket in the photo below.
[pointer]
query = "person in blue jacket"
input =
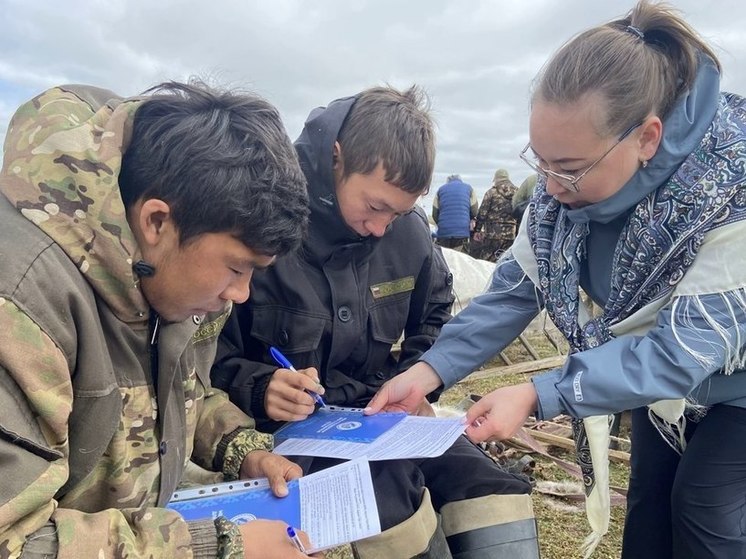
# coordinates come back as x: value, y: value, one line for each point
x: 455, y: 208
x: 641, y: 203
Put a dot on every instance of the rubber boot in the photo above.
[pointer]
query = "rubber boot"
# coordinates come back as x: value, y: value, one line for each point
x: 491, y: 527
x: 420, y: 536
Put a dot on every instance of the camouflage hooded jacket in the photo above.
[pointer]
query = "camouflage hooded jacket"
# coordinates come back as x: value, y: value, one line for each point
x: 495, y: 217
x: 91, y: 450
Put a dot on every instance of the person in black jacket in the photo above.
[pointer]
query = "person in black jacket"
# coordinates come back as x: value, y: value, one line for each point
x: 367, y: 273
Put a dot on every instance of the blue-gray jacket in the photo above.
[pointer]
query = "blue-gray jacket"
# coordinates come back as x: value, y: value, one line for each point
x: 637, y: 368
x: 454, y: 210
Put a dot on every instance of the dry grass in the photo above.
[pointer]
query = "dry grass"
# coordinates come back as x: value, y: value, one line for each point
x: 562, y: 523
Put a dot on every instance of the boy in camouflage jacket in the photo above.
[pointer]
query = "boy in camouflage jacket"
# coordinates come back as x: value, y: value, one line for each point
x: 128, y: 227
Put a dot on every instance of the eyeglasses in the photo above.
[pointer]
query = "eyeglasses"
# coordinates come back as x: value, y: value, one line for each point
x: 570, y: 182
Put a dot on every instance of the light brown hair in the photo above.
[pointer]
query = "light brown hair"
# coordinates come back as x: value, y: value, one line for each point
x: 638, y: 64
x: 393, y: 128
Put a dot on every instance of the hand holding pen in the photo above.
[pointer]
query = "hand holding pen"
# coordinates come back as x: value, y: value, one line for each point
x: 286, y: 397
x: 292, y: 534
x: 272, y: 539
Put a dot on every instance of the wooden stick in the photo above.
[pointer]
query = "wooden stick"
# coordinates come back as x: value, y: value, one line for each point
x: 561, y: 430
x: 526, y: 344
x: 527, y: 367
x: 556, y: 440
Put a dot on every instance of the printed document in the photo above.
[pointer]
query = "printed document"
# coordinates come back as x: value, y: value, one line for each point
x: 333, y: 432
x: 333, y: 506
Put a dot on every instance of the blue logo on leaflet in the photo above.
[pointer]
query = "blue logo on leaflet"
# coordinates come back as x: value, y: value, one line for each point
x: 349, y: 425
x: 243, y: 518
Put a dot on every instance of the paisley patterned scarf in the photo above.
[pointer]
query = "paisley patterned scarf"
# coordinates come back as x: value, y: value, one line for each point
x: 655, y: 249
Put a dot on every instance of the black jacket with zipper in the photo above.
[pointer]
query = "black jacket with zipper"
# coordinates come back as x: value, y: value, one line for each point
x: 341, y: 301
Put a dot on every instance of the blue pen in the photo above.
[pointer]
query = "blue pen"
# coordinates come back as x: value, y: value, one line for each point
x: 295, y: 539
x: 283, y: 362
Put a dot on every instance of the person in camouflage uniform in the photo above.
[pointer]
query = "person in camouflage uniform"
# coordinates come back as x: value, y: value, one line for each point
x: 495, y: 228
x: 128, y: 227
x: 522, y: 197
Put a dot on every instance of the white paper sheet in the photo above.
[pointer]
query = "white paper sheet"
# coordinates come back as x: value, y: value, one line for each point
x: 344, y: 494
x: 414, y: 437
x: 334, y: 506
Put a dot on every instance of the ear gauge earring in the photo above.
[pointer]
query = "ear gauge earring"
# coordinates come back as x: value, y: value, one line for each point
x: 143, y: 269
x: 644, y: 163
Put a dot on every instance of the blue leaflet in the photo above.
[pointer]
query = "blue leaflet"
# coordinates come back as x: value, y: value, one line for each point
x: 340, y: 425
x: 240, y: 504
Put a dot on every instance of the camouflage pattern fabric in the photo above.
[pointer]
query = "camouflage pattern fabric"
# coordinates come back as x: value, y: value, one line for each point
x: 522, y: 196
x: 230, y: 545
x: 495, y: 222
x: 90, y: 447
x: 243, y: 443
x: 75, y: 199
x: 525, y: 191
x: 460, y: 245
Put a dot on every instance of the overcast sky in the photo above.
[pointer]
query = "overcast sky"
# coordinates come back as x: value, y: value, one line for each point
x: 475, y: 58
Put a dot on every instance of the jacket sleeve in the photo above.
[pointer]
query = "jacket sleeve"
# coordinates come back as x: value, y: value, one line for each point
x: 225, y: 435
x: 429, y: 309
x: 484, y: 209
x: 487, y: 325
x: 234, y: 371
x: 632, y: 371
x: 36, y: 397
x: 473, y: 204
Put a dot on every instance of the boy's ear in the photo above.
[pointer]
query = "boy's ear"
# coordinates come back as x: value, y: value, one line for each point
x: 154, y: 220
x: 337, y: 157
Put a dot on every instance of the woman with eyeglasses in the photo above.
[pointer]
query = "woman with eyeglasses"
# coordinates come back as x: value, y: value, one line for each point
x: 640, y: 203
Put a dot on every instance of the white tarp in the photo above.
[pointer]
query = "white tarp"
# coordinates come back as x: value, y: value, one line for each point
x: 471, y: 276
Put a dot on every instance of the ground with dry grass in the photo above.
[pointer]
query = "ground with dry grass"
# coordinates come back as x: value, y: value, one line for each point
x: 562, y: 522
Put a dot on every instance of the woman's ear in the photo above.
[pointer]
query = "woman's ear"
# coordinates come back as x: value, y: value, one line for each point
x: 651, y: 133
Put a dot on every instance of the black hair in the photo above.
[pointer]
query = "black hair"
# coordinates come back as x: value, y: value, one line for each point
x: 222, y: 161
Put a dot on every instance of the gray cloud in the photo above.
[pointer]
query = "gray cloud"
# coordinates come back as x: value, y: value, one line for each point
x: 476, y: 59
